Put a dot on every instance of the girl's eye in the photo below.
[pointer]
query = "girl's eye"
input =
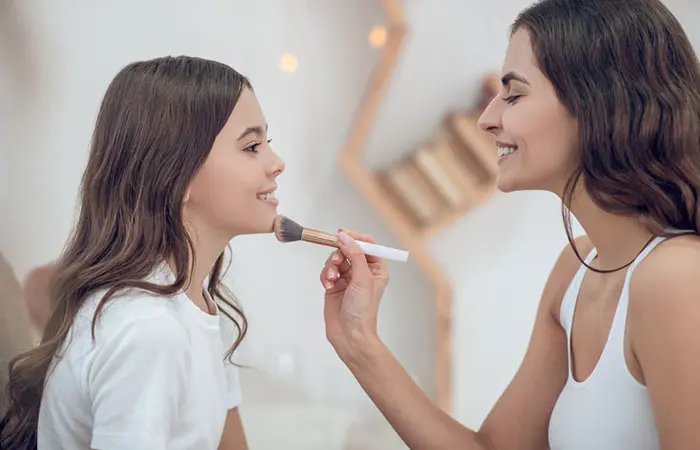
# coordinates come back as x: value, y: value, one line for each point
x: 511, y: 99
x: 254, y: 147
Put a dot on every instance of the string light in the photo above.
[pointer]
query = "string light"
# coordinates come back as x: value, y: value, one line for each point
x: 289, y: 63
x: 377, y: 36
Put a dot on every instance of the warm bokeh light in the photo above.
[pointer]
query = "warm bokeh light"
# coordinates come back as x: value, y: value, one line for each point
x: 377, y: 36
x: 289, y: 63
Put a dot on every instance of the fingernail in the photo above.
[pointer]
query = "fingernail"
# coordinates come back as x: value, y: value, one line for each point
x: 326, y: 284
x: 336, y: 257
x: 344, y: 237
x: 332, y: 275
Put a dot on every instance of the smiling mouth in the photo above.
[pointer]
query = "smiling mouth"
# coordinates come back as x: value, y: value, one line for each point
x: 267, y: 196
x: 505, y: 150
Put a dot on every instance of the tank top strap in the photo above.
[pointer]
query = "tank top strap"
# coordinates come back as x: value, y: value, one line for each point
x: 624, y: 296
x: 568, y: 303
x: 643, y: 254
x: 613, y: 355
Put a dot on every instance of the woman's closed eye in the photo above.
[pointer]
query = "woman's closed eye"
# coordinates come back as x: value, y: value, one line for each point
x: 511, y: 99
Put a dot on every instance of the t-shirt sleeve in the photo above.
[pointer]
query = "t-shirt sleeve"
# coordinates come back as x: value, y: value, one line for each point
x: 136, y: 382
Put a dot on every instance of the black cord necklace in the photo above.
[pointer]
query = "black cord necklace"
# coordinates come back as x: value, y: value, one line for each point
x: 578, y: 255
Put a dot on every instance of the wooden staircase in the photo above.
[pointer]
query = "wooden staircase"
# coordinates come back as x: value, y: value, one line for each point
x: 427, y: 190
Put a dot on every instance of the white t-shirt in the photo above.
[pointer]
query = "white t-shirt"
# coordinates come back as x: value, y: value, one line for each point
x: 154, y: 378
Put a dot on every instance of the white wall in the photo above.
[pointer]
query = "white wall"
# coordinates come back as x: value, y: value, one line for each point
x: 498, y: 257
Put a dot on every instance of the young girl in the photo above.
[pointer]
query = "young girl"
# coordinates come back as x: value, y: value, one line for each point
x: 599, y: 105
x: 136, y: 354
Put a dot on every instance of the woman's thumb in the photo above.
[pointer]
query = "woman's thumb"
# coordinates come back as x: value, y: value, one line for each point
x: 360, y: 274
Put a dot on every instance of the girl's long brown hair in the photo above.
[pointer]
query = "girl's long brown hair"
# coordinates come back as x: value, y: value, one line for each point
x: 627, y: 72
x: 155, y: 128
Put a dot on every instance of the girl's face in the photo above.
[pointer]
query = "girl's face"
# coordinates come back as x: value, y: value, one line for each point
x: 536, y: 135
x: 234, y: 191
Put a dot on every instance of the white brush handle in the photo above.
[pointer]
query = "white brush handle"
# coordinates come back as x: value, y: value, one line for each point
x: 381, y: 251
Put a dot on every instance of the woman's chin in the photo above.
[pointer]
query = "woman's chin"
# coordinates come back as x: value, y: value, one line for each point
x: 513, y: 181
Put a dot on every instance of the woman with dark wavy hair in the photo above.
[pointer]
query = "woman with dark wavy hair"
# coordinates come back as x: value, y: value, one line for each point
x: 136, y: 351
x: 599, y: 104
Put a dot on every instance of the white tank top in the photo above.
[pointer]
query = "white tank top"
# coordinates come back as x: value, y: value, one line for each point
x: 609, y: 410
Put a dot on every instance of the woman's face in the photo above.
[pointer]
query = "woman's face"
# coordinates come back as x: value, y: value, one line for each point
x: 234, y: 191
x: 536, y: 135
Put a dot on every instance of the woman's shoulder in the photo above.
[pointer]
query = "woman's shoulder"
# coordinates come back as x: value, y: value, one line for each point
x: 682, y: 246
x: 673, y: 267
x: 664, y: 312
x: 664, y: 289
x: 563, y: 272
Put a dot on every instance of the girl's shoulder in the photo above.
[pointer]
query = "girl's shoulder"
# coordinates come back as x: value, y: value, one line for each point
x: 130, y: 315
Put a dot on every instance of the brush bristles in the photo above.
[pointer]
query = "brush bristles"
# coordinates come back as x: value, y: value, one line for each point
x: 287, y: 230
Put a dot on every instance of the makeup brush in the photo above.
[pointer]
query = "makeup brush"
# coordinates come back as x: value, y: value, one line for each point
x: 287, y: 230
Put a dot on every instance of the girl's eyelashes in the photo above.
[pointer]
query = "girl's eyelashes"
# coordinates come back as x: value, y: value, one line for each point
x: 511, y: 99
x: 254, y: 147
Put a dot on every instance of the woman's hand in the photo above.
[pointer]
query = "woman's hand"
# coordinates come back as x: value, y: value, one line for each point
x: 354, y: 284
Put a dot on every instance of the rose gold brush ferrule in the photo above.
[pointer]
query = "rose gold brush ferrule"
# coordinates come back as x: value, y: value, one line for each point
x: 319, y: 237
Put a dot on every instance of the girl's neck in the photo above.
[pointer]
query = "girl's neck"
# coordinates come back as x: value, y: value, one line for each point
x: 208, y: 247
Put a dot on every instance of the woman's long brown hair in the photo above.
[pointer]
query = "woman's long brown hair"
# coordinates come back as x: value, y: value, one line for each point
x: 155, y: 128
x: 627, y: 72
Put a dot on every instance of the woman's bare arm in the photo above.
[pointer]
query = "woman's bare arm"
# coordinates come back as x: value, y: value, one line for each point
x: 663, y: 322
x: 519, y: 419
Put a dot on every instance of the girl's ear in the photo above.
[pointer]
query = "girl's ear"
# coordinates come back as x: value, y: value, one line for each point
x: 187, y: 196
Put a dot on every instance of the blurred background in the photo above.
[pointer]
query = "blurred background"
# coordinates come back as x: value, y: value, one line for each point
x: 309, y: 62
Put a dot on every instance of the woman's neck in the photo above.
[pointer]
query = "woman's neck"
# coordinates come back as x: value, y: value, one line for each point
x: 617, y: 239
